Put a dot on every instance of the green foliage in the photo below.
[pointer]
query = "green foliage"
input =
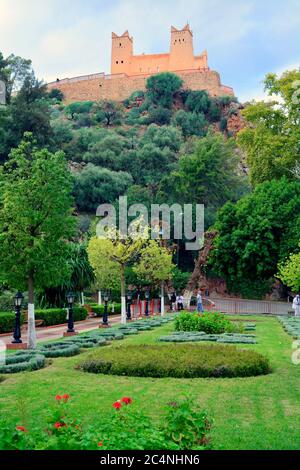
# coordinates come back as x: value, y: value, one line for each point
x: 198, y: 102
x: 108, y: 112
x: 180, y: 279
x: 35, y: 216
x: 22, y: 361
x: 191, y: 123
x: 58, y: 316
x: 77, y: 108
x: 255, y: 234
x: 291, y: 326
x: 56, y: 94
x: 158, y: 115
x: 211, y: 323
x: 155, y: 263
x: 271, y: 138
x: 162, y: 87
x: 99, y: 309
x: 177, y: 360
x: 289, y: 272
x: 7, y: 322
x: 62, y: 349
x: 196, y: 337
x: 182, y: 427
x: 94, y: 186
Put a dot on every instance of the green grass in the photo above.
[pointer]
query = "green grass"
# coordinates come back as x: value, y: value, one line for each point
x: 248, y: 413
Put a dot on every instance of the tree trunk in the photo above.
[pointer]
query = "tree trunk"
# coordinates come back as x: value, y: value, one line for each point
x: 162, y: 304
x: 123, y: 296
x: 82, y: 299
x: 31, y: 316
x: 99, y: 298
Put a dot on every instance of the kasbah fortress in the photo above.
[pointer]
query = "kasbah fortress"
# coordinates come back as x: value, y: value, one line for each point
x: 129, y: 72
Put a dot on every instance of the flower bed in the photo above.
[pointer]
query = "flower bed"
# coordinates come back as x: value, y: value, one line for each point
x: 61, y: 349
x: 291, y: 325
x: 177, y: 360
x: 22, y: 361
x: 188, y: 337
x: 210, y: 323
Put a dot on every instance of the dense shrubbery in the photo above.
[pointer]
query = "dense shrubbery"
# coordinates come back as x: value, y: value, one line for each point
x: 99, y: 309
x: 177, y: 360
x: 58, y: 316
x: 7, y: 322
x: 211, y: 323
x: 182, y: 427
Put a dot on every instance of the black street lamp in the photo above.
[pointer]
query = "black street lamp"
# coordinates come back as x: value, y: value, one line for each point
x: 129, y: 302
x: 17, y: 332
x: 147, y: 297
x: 105, y: 315
x: 70, y: 299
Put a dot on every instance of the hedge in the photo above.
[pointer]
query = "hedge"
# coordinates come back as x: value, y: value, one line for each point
x: 22, y: 361
x: 187, y: 337
x: 7, y: 321
x: 87, y: 342
x: 61, y: 349
x: 291, y: 325
x: 58, y: 316
x: 99, y: 310
x: 177, y: 360
x: 211, y: 323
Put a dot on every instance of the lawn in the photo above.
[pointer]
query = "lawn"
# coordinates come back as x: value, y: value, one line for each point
x: 248, y: 413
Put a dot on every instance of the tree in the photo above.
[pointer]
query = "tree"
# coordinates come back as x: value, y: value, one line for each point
x: 255, y: 235
x: 158, y: 115
x: 117, y: 252
x: 56, y: 94
x: 78, y: 107
x: 271, y: 138
x: 198, y: 102
x: 161, y: 88
x: 94, y: 186
x: 191, y: 123
x: 108, y: 112
x: 289, y: 272
x: 19, y: 70
x: 155, y: 265
x: 35, y: 221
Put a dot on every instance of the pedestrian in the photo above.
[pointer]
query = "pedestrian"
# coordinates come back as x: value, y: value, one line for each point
x: 199, y: 302
x: 296, y: 305
x: 173, y: 301
x: 180, y: 302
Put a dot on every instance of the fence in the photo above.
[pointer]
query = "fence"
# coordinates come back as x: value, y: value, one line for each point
x: 251, y: 306
x: 138, y: 309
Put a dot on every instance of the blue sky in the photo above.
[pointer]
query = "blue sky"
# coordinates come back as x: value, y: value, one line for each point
x: 245, y: 39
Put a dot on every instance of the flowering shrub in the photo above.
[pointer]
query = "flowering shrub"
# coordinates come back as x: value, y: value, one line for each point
x: 124, y: 428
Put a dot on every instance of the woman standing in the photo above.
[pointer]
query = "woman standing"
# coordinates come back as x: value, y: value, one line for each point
x: 296, y: 305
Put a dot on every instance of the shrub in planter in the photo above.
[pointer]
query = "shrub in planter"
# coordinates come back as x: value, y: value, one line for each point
x: 62, y: 349
x: 177, y: 360
x: 22, y: 361
x: 58, y: 316
x: 7, y: 321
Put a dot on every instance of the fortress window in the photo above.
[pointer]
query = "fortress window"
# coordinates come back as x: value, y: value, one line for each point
x: 117, y: 62
x: 122, y: 61
x: 120, y: 44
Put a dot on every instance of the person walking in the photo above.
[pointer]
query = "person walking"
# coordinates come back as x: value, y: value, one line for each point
x: 200, y: 308
x: 173, y: 301
x: 296, y: 305
x: 180, y: 302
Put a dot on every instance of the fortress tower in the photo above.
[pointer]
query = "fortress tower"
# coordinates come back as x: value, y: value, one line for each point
x: 130, y: 72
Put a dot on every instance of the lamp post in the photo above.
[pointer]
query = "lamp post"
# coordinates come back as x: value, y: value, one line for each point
x: 147, y: 297
x: 70, y: 299
x: 129, y: 302
x: 17, y: 332
x: 105, y: 315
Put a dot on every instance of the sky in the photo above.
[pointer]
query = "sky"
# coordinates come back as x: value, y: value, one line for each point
x: 245, y: 39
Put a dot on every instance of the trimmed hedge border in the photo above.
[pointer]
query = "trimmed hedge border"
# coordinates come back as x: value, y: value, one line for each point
x: 87, y: 342
x: 61, y: 349
x: 189, y: 337
x: 58, y: 316
x: 23, y: 361
x: 177, y: 360
x: 99, y: 310
x: 7, y: 321
x: 291, y: 325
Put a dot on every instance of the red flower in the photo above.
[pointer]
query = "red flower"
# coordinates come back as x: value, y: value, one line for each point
x: 59, y: 425
x: 100, y: 444
x: 58, y: 398
x: 65, y: 397
x: 117, y: 405
x: 21, y: 429
x: 126, y: 400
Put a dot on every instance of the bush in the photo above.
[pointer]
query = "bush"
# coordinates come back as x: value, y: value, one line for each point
x: 22, y: 361
x: 62, y: 349
x: 87, y: 342
x: 161, y: 88
x: 177, y: 360
x: 7, y: 321
x: 99, y: 310
x: 188, y: 337
x: 291, y: 326
x: 58, y: 316
x: 211, y: 323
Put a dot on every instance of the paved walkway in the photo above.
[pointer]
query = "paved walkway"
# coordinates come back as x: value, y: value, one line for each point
x: 56, y: 332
